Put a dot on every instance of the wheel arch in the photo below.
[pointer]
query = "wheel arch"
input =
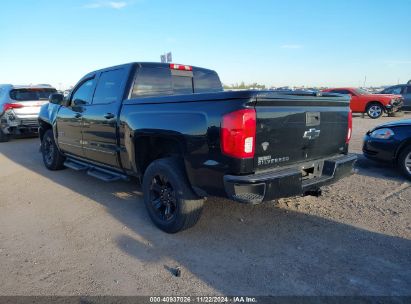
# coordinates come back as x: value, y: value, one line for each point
x: 150, y: 148
x: 369, y: 103
x: 43, y: 127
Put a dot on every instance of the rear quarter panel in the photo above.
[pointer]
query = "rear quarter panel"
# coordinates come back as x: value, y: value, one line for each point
x: 194, y: 125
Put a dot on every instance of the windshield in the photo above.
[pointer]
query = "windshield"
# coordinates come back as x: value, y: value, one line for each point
x: 362, y: 92
x: 31, y: 94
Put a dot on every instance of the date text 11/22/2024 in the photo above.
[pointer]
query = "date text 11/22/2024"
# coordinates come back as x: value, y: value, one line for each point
x: 203, y: 299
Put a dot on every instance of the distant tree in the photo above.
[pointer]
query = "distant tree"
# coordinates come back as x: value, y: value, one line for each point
x: 244, y: 86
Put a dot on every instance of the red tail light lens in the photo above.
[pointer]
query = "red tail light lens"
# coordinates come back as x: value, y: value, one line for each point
x: 8, y: 106
x: 238, y: 131
x: 349, y: 132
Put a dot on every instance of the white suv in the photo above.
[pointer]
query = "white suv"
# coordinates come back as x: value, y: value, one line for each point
x: 20, y: 107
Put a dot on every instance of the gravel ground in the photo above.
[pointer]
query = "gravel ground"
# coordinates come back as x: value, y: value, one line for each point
x: 65, y: 233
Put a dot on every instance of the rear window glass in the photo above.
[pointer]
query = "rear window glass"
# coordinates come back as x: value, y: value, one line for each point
x: 163, y: 81
x: 31, y: 94
x: 182, y: 85
x: 152, y: 82
x: 206, y: 82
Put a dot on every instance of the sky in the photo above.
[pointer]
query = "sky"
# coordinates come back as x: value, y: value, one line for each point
x: 276, y: 43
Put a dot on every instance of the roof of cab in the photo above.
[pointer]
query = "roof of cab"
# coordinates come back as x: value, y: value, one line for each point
x: 143, y: 64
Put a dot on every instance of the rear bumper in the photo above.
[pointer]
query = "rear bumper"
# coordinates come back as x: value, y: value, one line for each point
x: 13, y: 125
x: 271, y: 185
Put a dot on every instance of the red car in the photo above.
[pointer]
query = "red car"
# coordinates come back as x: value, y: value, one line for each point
x: 372, y: 104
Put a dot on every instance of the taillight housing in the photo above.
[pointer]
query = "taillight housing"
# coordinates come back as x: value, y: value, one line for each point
x: 349, y: 131
x: 8, y: 106
x: 238, y: 132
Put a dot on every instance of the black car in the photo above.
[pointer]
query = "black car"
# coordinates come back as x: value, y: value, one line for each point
x: 401, y: 89
x: 390, y: 142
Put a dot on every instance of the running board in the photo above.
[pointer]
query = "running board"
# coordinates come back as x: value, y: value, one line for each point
x: 75, y: 165
x: 107, y: 177
x: 94, y: 171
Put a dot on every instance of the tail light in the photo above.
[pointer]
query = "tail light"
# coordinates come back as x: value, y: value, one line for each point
x: 349, y: 132
x: 9, y: 106
x: 180, y: 67
x: 238, y: 131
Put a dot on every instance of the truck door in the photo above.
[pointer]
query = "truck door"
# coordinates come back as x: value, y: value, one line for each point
x: 100, y: 118
x: 69, y: 119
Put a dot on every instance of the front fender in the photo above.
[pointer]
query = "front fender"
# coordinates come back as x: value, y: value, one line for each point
x: 47, y: 118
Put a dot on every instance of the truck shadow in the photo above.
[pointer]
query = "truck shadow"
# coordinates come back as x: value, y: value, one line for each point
x: 240, y: 249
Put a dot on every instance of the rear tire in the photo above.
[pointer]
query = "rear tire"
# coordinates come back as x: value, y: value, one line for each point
x: 404, y: 161
x: 4, y: 137
x: 374, y: 110
x: 52, y: 158
x: 169, y: 199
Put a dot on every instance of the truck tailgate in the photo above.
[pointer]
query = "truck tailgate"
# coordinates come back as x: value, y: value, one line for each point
x: 299, y: 127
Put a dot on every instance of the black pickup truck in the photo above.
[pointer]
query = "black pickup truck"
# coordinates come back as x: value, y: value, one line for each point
x: 174, y: 128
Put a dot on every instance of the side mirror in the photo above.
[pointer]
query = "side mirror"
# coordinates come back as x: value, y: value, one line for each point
x: 56, y: 98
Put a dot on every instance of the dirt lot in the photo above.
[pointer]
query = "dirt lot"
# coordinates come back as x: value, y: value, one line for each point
x: 66, y: 233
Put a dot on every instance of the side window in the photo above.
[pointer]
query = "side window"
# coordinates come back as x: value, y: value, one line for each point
x: 109, y: 87
x: 152, y: 82
x: 387, y: 91
x: 341, y: 92
x: 84, y: 92
x: 408, y: 90
x: 396, y: 90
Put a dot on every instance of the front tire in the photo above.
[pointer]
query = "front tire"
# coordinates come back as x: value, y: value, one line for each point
x: 375, y: 110
x: 169, y: 199
x: 404, y: 162
x: 4, y: 137
x: 52, y: 158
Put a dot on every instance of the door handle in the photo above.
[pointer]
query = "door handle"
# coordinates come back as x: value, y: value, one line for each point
x: 78, y: 115
x: 109, y: 116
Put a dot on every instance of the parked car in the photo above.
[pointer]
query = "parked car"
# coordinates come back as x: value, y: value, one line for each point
x: 390, y: 142
x: 174, y: 128
x: 20, y: 107
x: 372, y: 104
x: 401, y: 89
